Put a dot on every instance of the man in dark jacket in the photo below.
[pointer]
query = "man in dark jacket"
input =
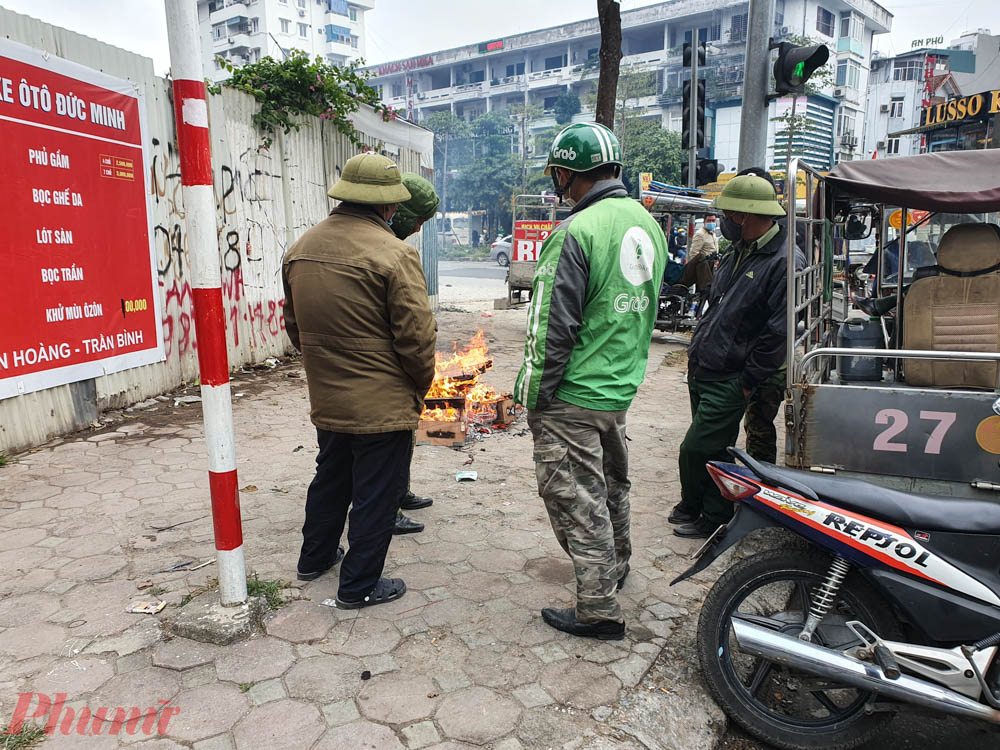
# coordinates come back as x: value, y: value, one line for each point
x: 738, y: 345
x: 356, y: 307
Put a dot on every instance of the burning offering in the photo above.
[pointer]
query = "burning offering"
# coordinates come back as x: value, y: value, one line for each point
x: 457, y: 397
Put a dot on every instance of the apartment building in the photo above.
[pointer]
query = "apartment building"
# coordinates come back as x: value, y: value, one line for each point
x: 535, y: 68
x: 243, y: 31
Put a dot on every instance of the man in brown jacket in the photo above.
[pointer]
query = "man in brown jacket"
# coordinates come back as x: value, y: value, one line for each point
x: 356, y: 307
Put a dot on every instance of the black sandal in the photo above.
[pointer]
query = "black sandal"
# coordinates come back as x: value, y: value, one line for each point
x: 385, y: 591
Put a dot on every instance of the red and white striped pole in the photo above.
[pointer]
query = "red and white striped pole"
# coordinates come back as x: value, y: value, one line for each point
x: 194, y: 145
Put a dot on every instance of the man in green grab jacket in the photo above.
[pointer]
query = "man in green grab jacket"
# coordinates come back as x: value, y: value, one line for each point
x: 591, y: 317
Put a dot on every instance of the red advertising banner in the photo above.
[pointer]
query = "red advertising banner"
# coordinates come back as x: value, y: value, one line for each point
x: 78, y: 259
x: 529, y: 236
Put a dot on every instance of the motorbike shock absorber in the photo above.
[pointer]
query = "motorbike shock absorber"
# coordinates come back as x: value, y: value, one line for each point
x: 823, y: 598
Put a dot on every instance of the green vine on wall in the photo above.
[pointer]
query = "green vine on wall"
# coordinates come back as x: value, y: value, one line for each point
x: 296, y: 86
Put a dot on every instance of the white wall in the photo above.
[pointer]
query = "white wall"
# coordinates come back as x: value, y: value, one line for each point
x: 265, y: 200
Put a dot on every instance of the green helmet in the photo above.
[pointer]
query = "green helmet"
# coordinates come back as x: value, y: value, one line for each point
x: 371, y: 179
x: 749, y: 194
x: 582, y: 146
x: 422, y: 206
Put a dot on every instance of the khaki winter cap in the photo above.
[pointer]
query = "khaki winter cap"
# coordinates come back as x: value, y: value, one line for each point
x: 371, y: 179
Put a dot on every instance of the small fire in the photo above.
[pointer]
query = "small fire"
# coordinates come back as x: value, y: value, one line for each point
x: 456, y: 376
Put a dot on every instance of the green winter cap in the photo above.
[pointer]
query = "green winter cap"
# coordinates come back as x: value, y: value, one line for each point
x: 421, y: 206
x: 750, y: 194
x: 372, y: 179
x: 583, y: 146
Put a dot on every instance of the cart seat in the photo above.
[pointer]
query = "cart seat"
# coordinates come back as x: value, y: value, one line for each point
x: 956, y: 310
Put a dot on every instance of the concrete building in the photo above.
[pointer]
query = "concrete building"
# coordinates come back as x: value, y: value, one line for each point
x: 901, y: 90
x: 536, y: 67
x: 986, y: 48
x: 243, y: 31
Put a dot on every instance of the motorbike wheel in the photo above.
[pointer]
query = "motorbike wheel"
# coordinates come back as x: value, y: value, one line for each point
x: 785, y: 707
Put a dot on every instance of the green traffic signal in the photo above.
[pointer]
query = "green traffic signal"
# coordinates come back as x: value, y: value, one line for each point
x: 795, y: 64
x: 799, y: 73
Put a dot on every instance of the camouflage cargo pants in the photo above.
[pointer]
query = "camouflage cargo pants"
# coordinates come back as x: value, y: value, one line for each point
x: 581, y: 464
x: 762, y: 408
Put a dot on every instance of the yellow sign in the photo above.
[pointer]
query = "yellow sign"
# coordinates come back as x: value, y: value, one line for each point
x: 644, y: 179
x: 913, y: 217
x: 963, y: 108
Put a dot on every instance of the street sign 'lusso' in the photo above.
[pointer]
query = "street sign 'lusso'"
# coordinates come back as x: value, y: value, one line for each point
x: 963, y: 108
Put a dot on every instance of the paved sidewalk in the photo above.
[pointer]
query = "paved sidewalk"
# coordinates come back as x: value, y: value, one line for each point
x: 463, y: 660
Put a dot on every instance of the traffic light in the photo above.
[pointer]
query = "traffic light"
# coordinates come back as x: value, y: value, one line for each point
x: 686, y: 55
x: 795, y: 64
x: 686, y: 116
x: 706, y: 171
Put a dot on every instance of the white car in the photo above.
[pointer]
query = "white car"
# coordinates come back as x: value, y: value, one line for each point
x: 500, y: 251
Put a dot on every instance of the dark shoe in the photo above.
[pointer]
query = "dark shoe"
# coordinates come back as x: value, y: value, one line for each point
x: 867, y: 306
x: 317, y: 573
x: 406, y: 525
x: 385, y: 591
x: 621, y: 581
x: 699, y: 529
x: 412, y: 502
x: 680, y: 515
x: 565, y: 620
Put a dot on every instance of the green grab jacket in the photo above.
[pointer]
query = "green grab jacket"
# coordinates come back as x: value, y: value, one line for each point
x: 593, y: 305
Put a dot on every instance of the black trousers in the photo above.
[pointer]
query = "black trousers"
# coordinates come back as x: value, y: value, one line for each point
x: 365, y: 475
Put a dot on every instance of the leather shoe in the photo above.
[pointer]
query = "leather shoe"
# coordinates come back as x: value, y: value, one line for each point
x: 867, y: 306
x: 412, y: 502
x: 406, y: 525
x: 680, y: 515
x: 312, y: 576
x: 698, y: 529
x: 565, y: 620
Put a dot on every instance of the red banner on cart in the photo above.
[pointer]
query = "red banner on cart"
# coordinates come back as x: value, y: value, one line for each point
x: 78, y: 260
x: 529, y: 236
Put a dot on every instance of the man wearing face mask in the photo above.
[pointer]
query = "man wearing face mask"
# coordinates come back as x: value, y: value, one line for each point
x: 738, y: 345
x: 766, y: 400
x: 356, y: 307
x: 592, y: 311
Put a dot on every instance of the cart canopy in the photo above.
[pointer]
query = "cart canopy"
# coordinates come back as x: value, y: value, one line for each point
x: 946, y: 181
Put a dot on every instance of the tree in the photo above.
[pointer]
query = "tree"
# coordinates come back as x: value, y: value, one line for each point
x: 610, y: 18
x: 632, y: 86
x: 566, y: 105
x: 446, y: 127
x: 489, y: 178
x: 652, y: 149
x: 523, y: 114
x: 295, y: 86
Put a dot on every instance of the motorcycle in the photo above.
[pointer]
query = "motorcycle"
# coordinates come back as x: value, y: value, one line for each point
x: 885, y: 598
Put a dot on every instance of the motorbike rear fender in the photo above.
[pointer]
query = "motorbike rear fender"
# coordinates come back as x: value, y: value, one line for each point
x: 743, y: 523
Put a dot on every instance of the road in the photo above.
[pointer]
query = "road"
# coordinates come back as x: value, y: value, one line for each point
x: 471, y: 284
x: 471, y: 269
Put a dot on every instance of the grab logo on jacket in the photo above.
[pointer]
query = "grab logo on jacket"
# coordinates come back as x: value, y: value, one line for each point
x: 636, y: 259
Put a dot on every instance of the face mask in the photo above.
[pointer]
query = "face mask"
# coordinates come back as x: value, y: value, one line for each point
x: 710, y: 227
x: 731, y: 230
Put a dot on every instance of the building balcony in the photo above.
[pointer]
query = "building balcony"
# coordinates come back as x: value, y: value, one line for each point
x: 341, y: 48
x: 880, y: 18
x: 466, y: 91
x: 237, y: 39
x: 507, y: 85
x: 232, y: 9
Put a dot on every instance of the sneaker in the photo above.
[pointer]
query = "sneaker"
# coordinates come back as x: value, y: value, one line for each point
x: 699, y: 529
x: 680, y: 515
x: 412, y: 502
x: 565, y: 620
x: 313, y: 575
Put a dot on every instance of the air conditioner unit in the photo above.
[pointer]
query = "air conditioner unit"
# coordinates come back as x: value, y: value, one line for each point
x: 880, y: 145
x: 302, y: 13
x: 784, y: 30
x: 839, y: 93
x: 884, y: 108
